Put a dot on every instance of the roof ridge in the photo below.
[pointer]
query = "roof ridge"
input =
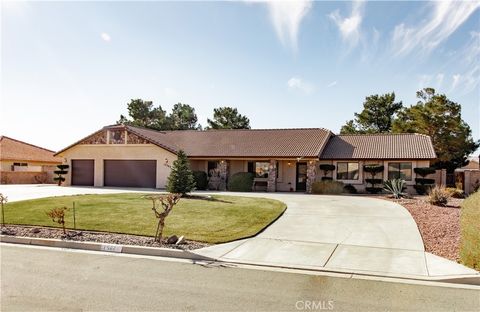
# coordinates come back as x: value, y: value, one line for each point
x: 23, y: 142
x: 380, y: 134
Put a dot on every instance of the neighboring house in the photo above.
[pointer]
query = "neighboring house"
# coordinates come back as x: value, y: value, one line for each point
x: 473, y: 164
x: 24, y: 163
x: 282, y: 159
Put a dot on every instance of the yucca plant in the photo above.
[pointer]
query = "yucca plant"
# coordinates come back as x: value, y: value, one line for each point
x: 395, y: 187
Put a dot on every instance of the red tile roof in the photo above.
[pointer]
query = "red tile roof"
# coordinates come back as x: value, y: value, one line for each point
x: 11, y: 149
x: 379, y: 146
x: 240, y: 143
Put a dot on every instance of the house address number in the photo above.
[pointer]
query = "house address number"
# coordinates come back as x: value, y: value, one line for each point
x: 111, y: 248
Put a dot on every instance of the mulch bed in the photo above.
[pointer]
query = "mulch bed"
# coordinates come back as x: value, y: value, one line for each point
x: 98, y: 237
x: 439, y: 226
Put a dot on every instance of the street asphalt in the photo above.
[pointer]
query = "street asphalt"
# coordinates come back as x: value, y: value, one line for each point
x: 49, y: 279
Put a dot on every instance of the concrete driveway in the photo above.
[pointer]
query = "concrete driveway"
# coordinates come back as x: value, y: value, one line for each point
x: 340, y: 233
x: 333, y: 233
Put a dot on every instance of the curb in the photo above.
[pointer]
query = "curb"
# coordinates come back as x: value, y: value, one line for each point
x: 113, y: 248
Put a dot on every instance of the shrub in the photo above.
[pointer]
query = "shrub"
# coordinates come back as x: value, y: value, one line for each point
x: 395, y: 187
x: 58, y: 215
x: 350, y: 189
x: 373, y: 170
x: 422, y: 189
x: 162, y: 205
x: 423, y: 185
x: 327, y: 187
x: 424, y: 171
x: 241, y: 182
x: 438, y: 196
x: 423, y: 181
x: 181, y: 178
x: 455, y: 192
x: 470, y: 231
x: 326, y: 168
x: 62, y: 170
x: 201, y: 180
x: 327, y: 178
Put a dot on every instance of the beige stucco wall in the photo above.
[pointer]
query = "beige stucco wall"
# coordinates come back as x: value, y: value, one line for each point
x: 100, y: 152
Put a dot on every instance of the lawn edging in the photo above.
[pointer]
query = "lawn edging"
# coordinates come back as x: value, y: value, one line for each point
x: 113, y: 248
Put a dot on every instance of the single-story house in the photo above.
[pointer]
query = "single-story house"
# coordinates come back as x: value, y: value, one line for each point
x: 24, y: 163
x: 282, y: 159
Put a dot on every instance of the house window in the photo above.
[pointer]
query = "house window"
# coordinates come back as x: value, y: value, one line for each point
x: 400, y: 170
x: 20, y: 164
x: 347, y: 171
x: 260, y: 168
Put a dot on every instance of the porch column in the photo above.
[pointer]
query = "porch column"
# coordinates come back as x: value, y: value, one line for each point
x: 311, y: 174
x: 272, y: 176
x: 223, y: 172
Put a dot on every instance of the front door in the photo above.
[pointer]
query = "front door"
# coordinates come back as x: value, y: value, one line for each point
x: 301, y: 185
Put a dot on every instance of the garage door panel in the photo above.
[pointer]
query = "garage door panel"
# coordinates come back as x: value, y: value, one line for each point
x: 130, y: 173
x: 83, y: 172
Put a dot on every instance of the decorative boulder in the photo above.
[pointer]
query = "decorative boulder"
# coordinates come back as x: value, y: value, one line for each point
x: 172, y: 239
x: 181, y: 240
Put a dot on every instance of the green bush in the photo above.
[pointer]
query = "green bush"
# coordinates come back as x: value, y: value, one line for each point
x: 424, y: 171
x: 374, y: 181
x: 327, y: 187
x: 327, y: 178
x: 422, y: 189
x: 373, y: 170
x: 424, y: 181
x: 350, y: 189
x: 438, y: 196
x: 470, y: 231
x: 241, y: 182
x: 181, y: 178
x: 201, y: 180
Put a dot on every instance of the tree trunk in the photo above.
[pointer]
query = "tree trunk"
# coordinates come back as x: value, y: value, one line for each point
x: 161, y: 224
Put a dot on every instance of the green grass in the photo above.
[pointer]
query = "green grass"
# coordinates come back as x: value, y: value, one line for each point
x: 470, y: 231
x: 223, y: 219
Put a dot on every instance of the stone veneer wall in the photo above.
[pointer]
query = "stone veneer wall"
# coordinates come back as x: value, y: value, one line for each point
x: 311, y: 174
x: 272, y: 176
x: 223, y: 169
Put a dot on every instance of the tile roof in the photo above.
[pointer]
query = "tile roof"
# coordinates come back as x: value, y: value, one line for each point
x: 240, y: 143
x: 11, y: 149
x: 379, y: 146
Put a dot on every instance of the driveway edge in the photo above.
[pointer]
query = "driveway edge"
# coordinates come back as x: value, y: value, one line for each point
x: 113, y: 248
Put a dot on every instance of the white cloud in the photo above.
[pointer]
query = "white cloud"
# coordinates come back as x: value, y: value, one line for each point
x: 105, y: 37
x: 349, y: 27
x: 445, y: 18
x: 331, y: 84
x: 298, y: 84
x: 286, y: 17
x: 455, y: 80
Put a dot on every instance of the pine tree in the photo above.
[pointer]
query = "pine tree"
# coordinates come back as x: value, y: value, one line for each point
x: 181, y: 179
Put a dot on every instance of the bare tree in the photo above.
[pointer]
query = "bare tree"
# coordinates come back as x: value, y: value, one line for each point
x: 58, y: 215
x: 162, y: 205
x: 3, y: 201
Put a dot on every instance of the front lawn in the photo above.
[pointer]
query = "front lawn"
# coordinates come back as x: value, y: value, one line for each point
x: 470, y: 227
x: 222, y: 219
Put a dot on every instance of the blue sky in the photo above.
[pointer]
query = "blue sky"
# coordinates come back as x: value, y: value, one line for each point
x: 67, y: 69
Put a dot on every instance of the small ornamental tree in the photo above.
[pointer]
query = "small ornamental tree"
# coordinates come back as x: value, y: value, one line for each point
x: 422, y: 184
x: 181, y: 179
x: 162, y: 205
x: 326, y: 168
x: 58, y: 215
x: 373, y: 170
x: 62, y: 170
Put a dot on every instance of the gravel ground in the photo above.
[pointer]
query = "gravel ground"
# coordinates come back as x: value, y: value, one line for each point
x: 439, y: 226
x: 99, y: 237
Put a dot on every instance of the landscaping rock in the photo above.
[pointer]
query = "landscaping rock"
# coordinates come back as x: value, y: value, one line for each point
x: 172, y: 239
x: 35, y: 230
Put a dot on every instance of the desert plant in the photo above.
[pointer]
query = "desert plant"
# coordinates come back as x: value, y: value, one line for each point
x: 455, y: 192
x: 58, y: 215
x: 181, y: 179
x: 241, y: 182
x: 395, y: 187
x: 162, y: 205
x: 438, y: 196
x: 326, y: 168
x: 373, y: 170
x: 62, y: 170
x: 3, y: 202
x: 201, y: 180
x: 422, y: 184
x: 350, y: 189
x: 327, y: 187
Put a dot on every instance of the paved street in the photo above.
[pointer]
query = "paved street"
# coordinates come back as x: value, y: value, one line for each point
x: 34, y: 278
